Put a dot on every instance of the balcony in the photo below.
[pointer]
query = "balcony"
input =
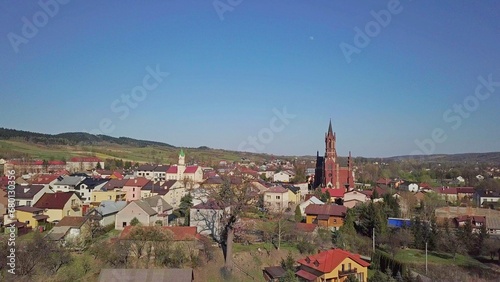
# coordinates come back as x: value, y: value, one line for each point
x: 347, y: 272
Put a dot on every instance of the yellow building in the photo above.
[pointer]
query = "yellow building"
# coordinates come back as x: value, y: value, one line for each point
x: 294, y: 195
x: 60, y: 204
x: 31, y: 216
x: 111, y: 195
x: 334, y: 265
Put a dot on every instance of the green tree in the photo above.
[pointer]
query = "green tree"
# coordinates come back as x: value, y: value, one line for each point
x: 185, y: 204
x: 289, y: 277
x: 352, y: 278
x: 288, y: 263
x: 378, y: 277
x: 372, y: 217
x: 477, y: 244
x: 325, y: 197
x: 135, y: 221
x: 298, y: 214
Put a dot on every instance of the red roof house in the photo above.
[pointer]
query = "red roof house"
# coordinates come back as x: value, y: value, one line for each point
x: 60, y: 204
x: 334, y: 264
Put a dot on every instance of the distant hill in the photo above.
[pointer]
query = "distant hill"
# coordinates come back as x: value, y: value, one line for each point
x: 18, y: 143
x: 25, y: 144
x: 470, y: 158
x: 74, y: 138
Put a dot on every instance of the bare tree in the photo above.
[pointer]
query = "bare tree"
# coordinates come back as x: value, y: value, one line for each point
x: 239, y: 196
x: 280, y: 226
x: 31, y: 254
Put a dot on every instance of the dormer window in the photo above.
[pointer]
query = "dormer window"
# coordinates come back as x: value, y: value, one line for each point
x: 308, y: 260
x: 316, y: 263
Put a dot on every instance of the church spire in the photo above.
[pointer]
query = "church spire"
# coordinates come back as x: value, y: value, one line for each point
x: 330, y: 131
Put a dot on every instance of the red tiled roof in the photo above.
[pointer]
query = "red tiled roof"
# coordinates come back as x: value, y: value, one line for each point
x: 384, y: 181
x: 53, y: 200
x: 183, y: 233
x: 117, y: 175
x: 448, y: 190
x: 277, y: 189
x: 335, y: 193
x: 191, y: 169
x: 306, y: 275
x: 44, y: 178
x: 335, y: 210
x: 172, y: 169
x: 465, y: 190
x: 305, y: 227
x: 474, y: 218
x: 137, y: 182
x: 73, y: 221
x: 85, y: 159
x: 327, y: 261
x: 424, y: 185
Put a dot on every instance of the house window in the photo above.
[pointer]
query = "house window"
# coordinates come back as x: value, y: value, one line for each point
x: 269, y: 197
x: 16, y: 203
x: 278, y: 197
x: 95, y: 198
x: 73, y: 202
x: 133, y: 189
x: 67, y: 212
x: 133, y: 195
x: 349, y: 266
x: 28, y: 203
x: 124, y: 224
x: 109, y: 197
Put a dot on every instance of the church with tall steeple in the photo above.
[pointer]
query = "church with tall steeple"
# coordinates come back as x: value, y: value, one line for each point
x: 328, y: 172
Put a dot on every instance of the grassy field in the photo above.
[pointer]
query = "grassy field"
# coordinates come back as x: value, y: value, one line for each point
x: 412, y: 256
x: 166, y: 155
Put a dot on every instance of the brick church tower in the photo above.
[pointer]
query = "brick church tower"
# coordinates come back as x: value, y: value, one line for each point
x: 329, y: 173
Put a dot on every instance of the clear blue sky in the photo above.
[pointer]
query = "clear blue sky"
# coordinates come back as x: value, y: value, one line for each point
x: 229, y: 70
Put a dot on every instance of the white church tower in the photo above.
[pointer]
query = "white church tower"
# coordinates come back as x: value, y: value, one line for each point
x: 181, y: 166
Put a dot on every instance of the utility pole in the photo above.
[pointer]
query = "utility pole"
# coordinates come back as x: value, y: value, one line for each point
x: 426, y: 258
x: 373, y: 239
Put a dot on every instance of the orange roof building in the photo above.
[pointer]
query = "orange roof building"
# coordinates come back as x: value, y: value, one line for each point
x: 333, y: 265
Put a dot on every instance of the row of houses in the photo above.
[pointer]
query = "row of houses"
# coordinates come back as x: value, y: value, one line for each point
x: 38, y: 166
